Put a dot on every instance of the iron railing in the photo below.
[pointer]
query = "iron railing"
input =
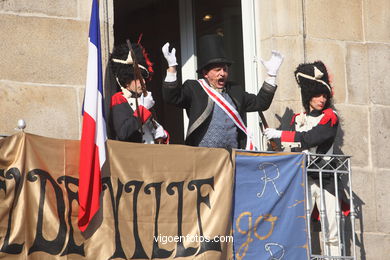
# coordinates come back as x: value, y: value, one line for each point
x: 331, y: 169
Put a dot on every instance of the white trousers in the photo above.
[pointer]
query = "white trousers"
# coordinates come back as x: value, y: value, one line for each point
x: 330, y: 221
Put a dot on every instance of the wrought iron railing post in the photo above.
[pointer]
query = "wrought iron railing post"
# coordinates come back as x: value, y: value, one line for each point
x: 352, y: 209
x: 323, y: 216
x: 308, y: 207
x: 338, y: 213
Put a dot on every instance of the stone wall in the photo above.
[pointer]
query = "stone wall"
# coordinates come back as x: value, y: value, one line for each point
x: 353, y: 39
x: 43, y: 59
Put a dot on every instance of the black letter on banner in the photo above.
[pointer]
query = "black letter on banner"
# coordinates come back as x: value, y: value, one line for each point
x: 157, y: 251
x: 119, y: 253
x: 2, y: 183
x: 211, y: 245
x: 181, y: 251
x: 139, y: 252
x: 12, y: 173
x: 40, y: 243
x: 71, y: 247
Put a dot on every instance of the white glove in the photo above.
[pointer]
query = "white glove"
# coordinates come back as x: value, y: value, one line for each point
x: 273, y: 64
x: 272, y: 133
x: 169, y: 56
x: 148, y: 101
x: 160, y: 133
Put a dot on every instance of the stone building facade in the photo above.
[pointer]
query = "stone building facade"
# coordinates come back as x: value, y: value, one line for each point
x: 43, y: 59
x: 353, y: 39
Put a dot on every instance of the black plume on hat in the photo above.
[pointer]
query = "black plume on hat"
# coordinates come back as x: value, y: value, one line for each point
x: 211, y: 51
x: 313, y: 80
x: 122, y: 64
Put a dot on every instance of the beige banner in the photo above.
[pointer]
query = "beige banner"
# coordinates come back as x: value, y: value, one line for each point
x: 159, y: 201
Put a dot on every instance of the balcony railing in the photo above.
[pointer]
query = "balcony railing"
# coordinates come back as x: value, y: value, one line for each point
x: 325, y: 176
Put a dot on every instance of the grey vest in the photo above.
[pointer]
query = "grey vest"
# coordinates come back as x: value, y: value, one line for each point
x: 222, y: 132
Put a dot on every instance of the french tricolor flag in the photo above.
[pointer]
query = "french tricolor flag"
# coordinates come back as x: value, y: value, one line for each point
x: 93, y: 136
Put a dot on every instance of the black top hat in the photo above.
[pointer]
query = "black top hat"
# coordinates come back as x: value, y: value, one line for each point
x: 211, y: 51
x: 122, y: 63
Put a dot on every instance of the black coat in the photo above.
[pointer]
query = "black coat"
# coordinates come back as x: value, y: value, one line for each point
x: 125, y: 125
x: 199, y: 106
x: 321, y: 136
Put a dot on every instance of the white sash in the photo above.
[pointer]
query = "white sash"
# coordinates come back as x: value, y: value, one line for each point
x: 229, y: 110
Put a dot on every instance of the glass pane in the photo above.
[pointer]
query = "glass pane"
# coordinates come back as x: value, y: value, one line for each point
x: 223, y: 17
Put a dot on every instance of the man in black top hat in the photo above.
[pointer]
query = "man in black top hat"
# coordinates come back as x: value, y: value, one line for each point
x: 216, y: 107
x: 129, y: 122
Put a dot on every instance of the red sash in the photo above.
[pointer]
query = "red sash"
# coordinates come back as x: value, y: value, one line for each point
x: 229, y: 110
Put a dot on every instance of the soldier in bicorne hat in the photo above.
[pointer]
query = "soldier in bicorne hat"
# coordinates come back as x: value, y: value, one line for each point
x: 129, y: 122
x: 315, y: 131
x: 216, y: 107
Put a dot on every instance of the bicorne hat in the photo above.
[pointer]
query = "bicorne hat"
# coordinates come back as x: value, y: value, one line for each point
x: 122, y: 64
x: 313, y: 79
x: 211, y: 51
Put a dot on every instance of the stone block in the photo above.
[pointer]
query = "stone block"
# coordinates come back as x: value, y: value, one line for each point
x: 357, y: 73
x: 292, y: 50
x: 333, y: 54
x: 279, y: 18
x: 380, y: 135
x: 377, y: 20
x: 61, y: 8
x: 353, y: 134
x: 48, y: 111
x: 264, y: 51
x: 287, y: 17
x: 80, y: 98
x: 264, y: 9
x: 375, y: 246
x: 43, y: 50
x: 379, y: 67
x: 85, y: 9
x: 334, y: 19
x: 363, y: 187
x: 382, y: 184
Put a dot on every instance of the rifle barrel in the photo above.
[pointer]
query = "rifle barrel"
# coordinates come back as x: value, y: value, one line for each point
x: 273, y: 144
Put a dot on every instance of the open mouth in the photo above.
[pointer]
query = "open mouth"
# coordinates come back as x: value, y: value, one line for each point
x: 221, y: 81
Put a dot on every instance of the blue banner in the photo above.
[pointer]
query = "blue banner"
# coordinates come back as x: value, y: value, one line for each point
x: 269, y: 207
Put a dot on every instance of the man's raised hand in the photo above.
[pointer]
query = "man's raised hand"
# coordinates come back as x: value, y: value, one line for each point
x: 169, y: 56
x: 273, y: 64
